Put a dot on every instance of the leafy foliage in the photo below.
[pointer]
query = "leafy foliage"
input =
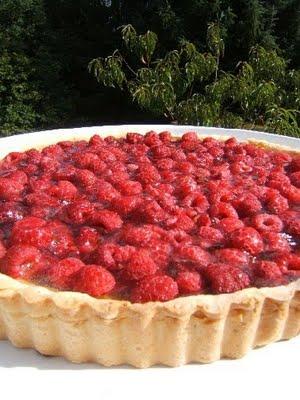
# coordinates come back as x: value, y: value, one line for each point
x: 31, y: 93
x: 47, y: 44
x: 189, y: 87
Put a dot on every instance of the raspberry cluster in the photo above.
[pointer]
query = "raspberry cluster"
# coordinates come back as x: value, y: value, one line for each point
x: 150, y: 218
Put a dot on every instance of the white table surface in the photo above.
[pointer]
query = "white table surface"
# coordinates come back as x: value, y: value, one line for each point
x: 271, y: 372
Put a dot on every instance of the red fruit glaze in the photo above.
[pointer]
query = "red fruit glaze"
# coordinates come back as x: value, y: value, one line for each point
x: 148, y: 218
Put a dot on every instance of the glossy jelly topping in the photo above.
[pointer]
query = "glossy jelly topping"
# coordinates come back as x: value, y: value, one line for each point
x: 151, y: 218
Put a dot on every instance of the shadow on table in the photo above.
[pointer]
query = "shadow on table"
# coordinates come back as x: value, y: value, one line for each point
x: 12, y: 357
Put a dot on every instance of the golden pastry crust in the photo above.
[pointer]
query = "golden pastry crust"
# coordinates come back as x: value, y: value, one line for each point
x: 201, y: 328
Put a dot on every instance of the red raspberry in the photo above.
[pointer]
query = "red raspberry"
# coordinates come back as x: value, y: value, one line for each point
x: 220, y: 171
x: 41, y: 199
x: 226, y: 278
x: 106, y: 155
x: 220, y: 190
x: 197, y: 201
x: 181, y: 221
x: 295, y: 164
x: 109, y: 220
x: 161, y: 253
x: 148, y: 174
x: 292, y: 193
x: 165, y: 136
x: 185, y: 167
x: 210, y: 237
x: 275, y: 203
x: 105, y: 255
x: 139, y: 235
x: 277, y: 180
x: 194, y: 254
x: 125, y: 205
x: 140, y: 265
x: 113, y: 256
x: 240, y: 167
x: 235, y: 257
x: 217, y: 152
x: 53, y: 150
x: 295, y: 179
x: 178, y: 154
x: 49, y: 164
x: 22, y: 261
x: 2, y: 249
x: 19, y: 176
x: 169, y: 176
x: 64, y: 190
x: 189, y: 282
x: 267, y: 270
x: 93, y: 280
x: 65, y: 173
x: 167, y: 202
x: 152, y: 139
x: 161, y: 151
x: 139, y: 151
x: 291, y: 221
x: 31, y: 231
x: 247, y: 239
x: 122, y: 254
x: 156, y: 288
x: 129, y: 188
x: 203, y: 220
x: 59, y: 275
x: 231, y: 143
x: 10, y: 190
x: 228, y: 225
x: 62, y: 241
x: 267, y: 223
x: 280, y: 158
x: 91, y: 161
x: 87, y: 240
x: 14, y: 158
x: 247, y: 204
x: 223, y: 210
x: 189, y: 137
x: 204, y: 160
x: 294, y: 261
x: 96, y: 140
x: 80, y: 211
x: 178, y: 237
x: 105, y: 191
x: 40, y: 184
x: 152, y: 212
x: 165, y: 164
x: 11, y: 211
x: 275, y: 242
x: 134, y: 138
x: 86, y: 178
x: 115, y: 177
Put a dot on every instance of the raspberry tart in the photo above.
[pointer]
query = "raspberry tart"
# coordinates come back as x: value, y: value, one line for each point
x: 148, y: 249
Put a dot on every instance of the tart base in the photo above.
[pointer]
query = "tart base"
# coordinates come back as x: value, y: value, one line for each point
x: 201, y: 328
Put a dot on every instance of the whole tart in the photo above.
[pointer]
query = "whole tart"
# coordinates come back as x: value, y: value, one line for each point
x: 147, y: 250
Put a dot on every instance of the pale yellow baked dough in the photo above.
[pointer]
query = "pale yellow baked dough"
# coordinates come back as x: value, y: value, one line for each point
x: 201, y: 328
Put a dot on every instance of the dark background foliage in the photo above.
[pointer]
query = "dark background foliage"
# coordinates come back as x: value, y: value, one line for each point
x: 46, y: 45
